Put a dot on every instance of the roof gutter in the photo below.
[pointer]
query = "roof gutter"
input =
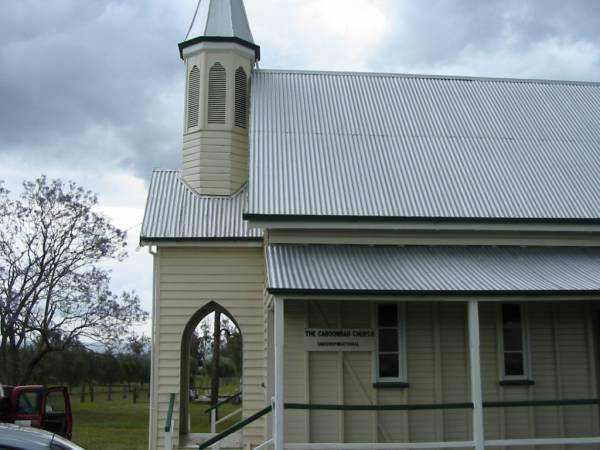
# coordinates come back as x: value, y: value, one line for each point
x: 417, y: 293
x: 406, y: 219
x: 420, y: 223
x: 211, y: 241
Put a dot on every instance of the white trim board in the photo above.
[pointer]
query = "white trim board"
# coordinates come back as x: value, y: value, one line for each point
x: 216, y: 243
x: 379, y: 446
x: 437, y: 298
x: 421, y: 226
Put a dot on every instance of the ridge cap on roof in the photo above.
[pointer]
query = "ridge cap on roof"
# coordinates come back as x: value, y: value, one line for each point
x: 429, y: 76
x: 161, y: 169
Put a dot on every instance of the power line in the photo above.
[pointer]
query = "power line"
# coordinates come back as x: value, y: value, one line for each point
x: 132, y: 227
x: 193, y: 20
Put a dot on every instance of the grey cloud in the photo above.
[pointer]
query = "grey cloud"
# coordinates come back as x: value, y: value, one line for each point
x: 99, y: 84
x: 69, y: 67
x: 438, y: 32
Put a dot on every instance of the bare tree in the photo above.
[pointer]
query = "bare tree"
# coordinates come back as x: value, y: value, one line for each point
x: 53, y: 292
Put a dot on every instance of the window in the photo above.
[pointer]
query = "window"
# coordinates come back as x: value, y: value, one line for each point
x: 513, y: 352
x: 216, y: 94
x: 241, y: 98
x: 193, y: 97
x: 55, y: 402
x: 391, y: 349
x: 28, y: 402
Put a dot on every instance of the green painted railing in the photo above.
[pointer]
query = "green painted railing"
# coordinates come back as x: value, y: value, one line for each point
x: 234, y: 428
x: 432, y: 406
x: 331, y: 407
x: 414, y: 407
x: 222, y: 402
x: 566, y: 402
x: 170, y: 413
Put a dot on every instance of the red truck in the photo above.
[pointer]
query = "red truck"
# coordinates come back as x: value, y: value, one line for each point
x: 37, y: 406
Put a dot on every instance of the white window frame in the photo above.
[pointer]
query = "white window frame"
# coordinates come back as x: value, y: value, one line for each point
x: 402, y: 372
x: 525, y: 339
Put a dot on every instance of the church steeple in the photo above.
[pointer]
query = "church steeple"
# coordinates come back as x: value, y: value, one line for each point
x: 219, y: 53
x: 220, y: 21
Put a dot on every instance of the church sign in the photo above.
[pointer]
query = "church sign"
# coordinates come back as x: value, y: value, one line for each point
x: 339, y: 340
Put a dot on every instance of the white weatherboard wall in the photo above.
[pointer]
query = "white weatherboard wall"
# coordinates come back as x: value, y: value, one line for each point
x: 562, y: 353
x: 221, y: 167
x: 188, y: 279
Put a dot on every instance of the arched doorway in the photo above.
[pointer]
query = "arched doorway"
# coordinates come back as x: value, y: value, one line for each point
x: 209, y: 325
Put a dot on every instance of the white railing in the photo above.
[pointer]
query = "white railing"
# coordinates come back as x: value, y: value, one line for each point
x: 169, y: 436
x: 214, y: 442
x: 264, y: 445
x: 449, y: 444
x: 213, y: 412
x: 379, y: 446
x: 542, y: 441
x: 483, y: 444
x: 170, y: 424
x: 213, y: 418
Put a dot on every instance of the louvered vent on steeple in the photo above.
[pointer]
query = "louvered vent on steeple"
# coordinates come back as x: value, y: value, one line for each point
x: 217, y: 103
x: 216, y: 94
x: 193, y: 97
x: 241, y: 98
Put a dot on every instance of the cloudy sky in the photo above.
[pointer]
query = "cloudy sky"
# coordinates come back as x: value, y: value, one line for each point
x: 92, y: 90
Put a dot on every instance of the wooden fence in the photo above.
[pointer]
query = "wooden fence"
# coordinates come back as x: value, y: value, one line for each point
x: 91, y: 392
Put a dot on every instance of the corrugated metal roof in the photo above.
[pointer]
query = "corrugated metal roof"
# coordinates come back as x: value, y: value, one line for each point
x: 404, y: 146
x: 175, y: 211
x: 220, y: 18
x: 429, y: 269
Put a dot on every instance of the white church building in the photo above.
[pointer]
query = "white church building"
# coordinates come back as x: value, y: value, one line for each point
x: 413, y: 261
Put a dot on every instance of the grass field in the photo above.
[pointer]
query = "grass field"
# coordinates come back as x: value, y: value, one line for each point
x: 227, y: 386
x: 112, y: 425
x: 121, y: 425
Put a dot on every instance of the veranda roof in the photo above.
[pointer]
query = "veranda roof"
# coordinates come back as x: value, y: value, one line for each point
x: 432, y: 270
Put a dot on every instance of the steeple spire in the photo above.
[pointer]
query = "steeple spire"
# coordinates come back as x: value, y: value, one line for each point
x: 219, y: 54
x: 220, y: 21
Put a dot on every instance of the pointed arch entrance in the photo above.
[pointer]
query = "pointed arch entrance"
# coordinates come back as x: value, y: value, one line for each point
x: 185, y: 426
